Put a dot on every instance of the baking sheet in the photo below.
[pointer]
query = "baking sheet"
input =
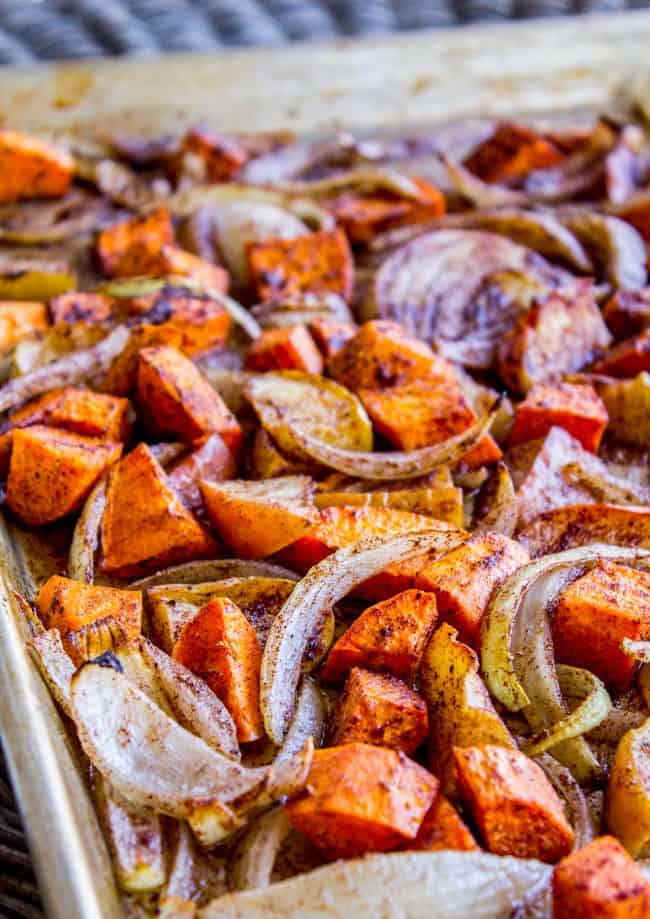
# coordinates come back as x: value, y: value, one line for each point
x: 536, y: 67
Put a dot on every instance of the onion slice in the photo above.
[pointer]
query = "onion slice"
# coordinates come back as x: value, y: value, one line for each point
x: 416, y: 885
x: 252, y: 861
x: 589, y: 714
x: 396, y: 465
x: 501, y: 516
x: 604, y: 486
x: 309, y: 720
x: 361, y: 181
x: 85, y: 538
x: 616, y: 244
x: 206, y: 570
x: 323, y: 586
x: 573, y: 797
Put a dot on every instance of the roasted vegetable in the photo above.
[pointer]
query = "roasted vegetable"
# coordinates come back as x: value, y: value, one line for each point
x: 628, y: 792
x: 576, y: 408
x: 32, y: 168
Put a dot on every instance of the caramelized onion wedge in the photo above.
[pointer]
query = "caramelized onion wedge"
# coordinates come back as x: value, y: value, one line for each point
x: 152, y: 761
x: 54, y: 664
x: 604, y: 486
x: 193, y: 703
x: 213, y: 570
x: 68, y: 371
x: 252, y: 861
x: 406, y: 884
x: 501, y: 515
x: 573, y: 797
x: 365, y: 181
x: 85, y: 538
x: 616, y: 245
x: 323, y: 586
x: 478, y: 192
x: 396, y: 465
x: 596, y: 705
x: 308, y: 721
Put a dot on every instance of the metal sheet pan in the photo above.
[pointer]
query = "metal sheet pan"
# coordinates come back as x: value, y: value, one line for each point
x: 543, y: 66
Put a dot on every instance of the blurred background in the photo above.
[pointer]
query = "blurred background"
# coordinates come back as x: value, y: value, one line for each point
x: 49, y: 29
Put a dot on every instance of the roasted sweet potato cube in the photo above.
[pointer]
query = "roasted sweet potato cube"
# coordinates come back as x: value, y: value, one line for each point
x: 316, y: 262
x: 600, y: 881
x: 442, y: 829
x: 379, y: 710
x: 511, y: 152
x: 222, y: 156
x: 331, y: 334
x: 175, y: 261
x: 133, y: 246
x: 628, y: 358
x: 178, y: 401
x: 513, y: 804
x: 203, y: 323
x: 145, y: 525
x: 81, y: 307
x: 211, y: 461
x: 359, y: 798
x: 461, y: 712
x: 559, y: 336
x: 464, y: 579
x: 220, y: 646
x: 340, y: 527
x: 20, y: 319
x: 575, y: 407
x: 389, y: 637
x: 363, y: 218
x: 69, y: 605
x: 627, y: 312
x: 425, y: 413
x: 290, y: 348
x: 595, y: 613
x: 256, y: 519
x: 445, y: 503
x: 381, y: 355
x: 32, y: 168
x: 52, y: 471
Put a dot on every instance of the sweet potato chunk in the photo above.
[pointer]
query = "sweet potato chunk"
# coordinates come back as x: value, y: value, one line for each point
x: 317, y: 263
x: 256, y: 519
x: 443, y: 828
x: 380, y: 710
x: 177, y: 400
x: 464, y: 579
x: 514, y: 805
x: 576, y: 408
x: 203, y: 324
x: 222, y: 157
x: 461, y: 713
x: 628, y: 358
x: 133, y: 246
x: 18, y: 320
x: 69, y: 605
x: 511, y: 152
x: 389, y: 637
x: 595, y: 613
x: 290, y: 348
x: 445, y: 503
x: 330, y: 335
x: 583, y: 524
x: 425, y: 413
x: 173, y: 260
x: 359, y: 798
x: 381, y: 355
x: 32, y: 168
x: 145, y: 525
x: 81, y: 307
x: 600, y: 881
x: 627, y: 312
x: 364, y: 218
x: 220, y: 646
x: 51, y: 472
x: 211, y: 461
x: 559, y: 336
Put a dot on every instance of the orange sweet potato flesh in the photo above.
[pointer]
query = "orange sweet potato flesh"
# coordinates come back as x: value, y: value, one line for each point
x: 514, y: 806
x: 18, y: 319
x: 211, y: 461
x: 511, y: 152
x: 317, y: 262
x: 76, y: 409
x: 331, y: 334
x: 122, y: 374
x: 203, y: 324
x: 463, y: 580
x: 583, y: 524
x: 51, y: 472
x: 133, y: 247
x: 177, y: 401
x: 381, y: 355
x: 81, y: 307
x: 32, y: 168
x: 600, y: 881
x: 364, y: 218
x: 340, y: 527
x: 359, y: 798
x: 380, y: 710
x: 290, y: 348
x: 442, y: 829
x: 628, y: 358
x: 145, y: 525
x: 223, y: 157
x: 389, y: 637
x: 575, y: 407
x: 69, y: 605
x: 221, y: 646
x: 177, y: 261
x: 595, y: 613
